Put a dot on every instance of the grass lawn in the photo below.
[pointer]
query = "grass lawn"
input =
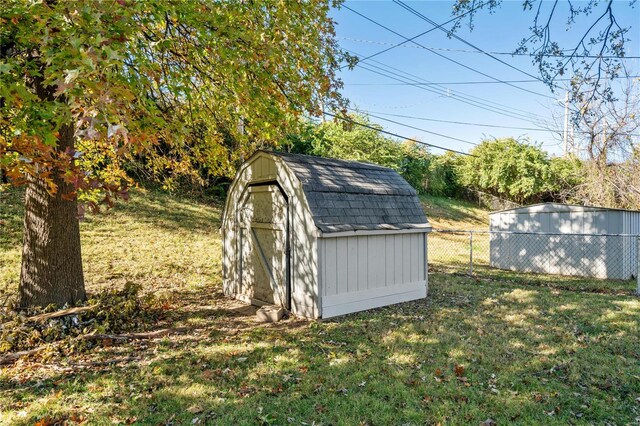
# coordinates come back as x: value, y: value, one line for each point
x: 495, y: 348
x: 453, y: 214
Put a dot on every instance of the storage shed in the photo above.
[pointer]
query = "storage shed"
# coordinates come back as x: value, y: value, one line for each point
x: 322, y: 237
x: 566, y: 239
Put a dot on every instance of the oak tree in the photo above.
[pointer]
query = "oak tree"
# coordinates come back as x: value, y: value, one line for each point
x: 87, y: 86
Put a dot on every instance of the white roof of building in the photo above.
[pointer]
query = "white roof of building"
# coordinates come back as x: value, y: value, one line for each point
x: 557, y: 208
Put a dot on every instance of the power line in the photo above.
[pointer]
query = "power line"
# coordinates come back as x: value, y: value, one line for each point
x: 372, y: 114
x: 430, y: 21
x: 445, y: 83
x: 448, y: 91
x: 446, y: 49
x: 416, y: 128
x: 419, y: 35
x: 366, y: 126
x: 435, y: 120
x: 457, y: 98
x: 445, y: 57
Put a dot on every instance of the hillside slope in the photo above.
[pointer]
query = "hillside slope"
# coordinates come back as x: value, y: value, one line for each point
x: 472, y: 350
x: 453, y: 214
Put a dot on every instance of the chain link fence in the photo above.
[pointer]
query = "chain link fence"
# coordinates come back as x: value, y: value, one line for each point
x: 607, y: 256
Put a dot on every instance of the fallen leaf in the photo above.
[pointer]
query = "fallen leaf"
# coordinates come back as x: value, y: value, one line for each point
x: 208, y: 374
x: 195, y: 409
x: 244, y: 391
x: 459, y: 370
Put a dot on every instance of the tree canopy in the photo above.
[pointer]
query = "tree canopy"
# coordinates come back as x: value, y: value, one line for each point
x: 88, y: 88
x: 507, y: 168
x: 180, y: 83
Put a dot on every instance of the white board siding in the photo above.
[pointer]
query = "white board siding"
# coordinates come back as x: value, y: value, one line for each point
x: 372, y: 298
x: 303, y: 243
x: 361, y: 263
x: 339, y: 271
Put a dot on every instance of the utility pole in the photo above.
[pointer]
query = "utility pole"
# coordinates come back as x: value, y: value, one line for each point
x: 573, y: 145
x: 566, y: 124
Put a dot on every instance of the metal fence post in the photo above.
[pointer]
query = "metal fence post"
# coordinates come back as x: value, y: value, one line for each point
x: 470, y: 252
x: 638, y: 270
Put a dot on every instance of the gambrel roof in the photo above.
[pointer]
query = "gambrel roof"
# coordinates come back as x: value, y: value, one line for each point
x: 351, y: 196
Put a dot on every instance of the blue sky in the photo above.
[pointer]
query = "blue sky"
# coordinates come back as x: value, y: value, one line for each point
x: 496, y: 32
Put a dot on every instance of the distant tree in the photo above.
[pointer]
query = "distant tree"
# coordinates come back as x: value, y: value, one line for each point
x: 508, y: 169
x: 606, y: 139
x: 345, y: 140
x: 87, y: 86
x: 443, y: 175
x: 566, y: 175
x: 416, y: 165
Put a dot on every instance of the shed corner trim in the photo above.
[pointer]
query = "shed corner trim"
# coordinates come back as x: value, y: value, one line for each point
x: 365, y: 232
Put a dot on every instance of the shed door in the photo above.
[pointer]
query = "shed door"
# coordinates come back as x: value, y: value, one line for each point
x: 263, y: 244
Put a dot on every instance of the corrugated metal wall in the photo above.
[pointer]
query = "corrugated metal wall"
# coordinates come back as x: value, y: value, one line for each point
x: 566, y: 242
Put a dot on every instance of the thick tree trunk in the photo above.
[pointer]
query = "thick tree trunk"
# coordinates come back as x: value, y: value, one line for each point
x: 51, y: 259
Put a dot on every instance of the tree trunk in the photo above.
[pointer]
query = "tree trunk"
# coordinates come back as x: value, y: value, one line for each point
x: 51, y: 260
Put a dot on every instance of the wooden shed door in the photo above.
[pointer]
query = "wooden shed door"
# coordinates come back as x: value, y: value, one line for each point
x: 263, y: 244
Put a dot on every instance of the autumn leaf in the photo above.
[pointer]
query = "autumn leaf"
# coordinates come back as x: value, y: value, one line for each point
x: 459, y: 370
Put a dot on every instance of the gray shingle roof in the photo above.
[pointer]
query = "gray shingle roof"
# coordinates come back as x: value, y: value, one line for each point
x: 349, y: 195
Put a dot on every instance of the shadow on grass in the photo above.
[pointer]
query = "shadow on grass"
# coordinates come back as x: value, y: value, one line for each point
x: 11, y: 217
x: 467, y: 353
x: 170, y: 211
x: 482, y: 273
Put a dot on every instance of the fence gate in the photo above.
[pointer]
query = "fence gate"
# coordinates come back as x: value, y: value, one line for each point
x: 263, y: 245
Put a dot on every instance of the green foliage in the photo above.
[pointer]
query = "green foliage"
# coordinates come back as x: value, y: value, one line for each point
x: 416, y: 166
x: 443, y: 177
x: 189, y: 88
x: 566, y: 175
x: 508, y: 169
x: 337, y: 139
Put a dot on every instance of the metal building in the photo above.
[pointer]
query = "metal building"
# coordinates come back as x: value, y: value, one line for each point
x: 566, y: 239
x: 322, y: 237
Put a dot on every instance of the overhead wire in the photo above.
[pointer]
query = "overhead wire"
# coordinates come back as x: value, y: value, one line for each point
x: 446, y: 49
x: 481, y: 4
x: 457, y: 37
x: 444, y: 56
x: 448, y: 91
x: 457, y: 98
x: 349, y: 120
x: 448, y: 83
x: 416, y: 128
x: 534, y: 129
